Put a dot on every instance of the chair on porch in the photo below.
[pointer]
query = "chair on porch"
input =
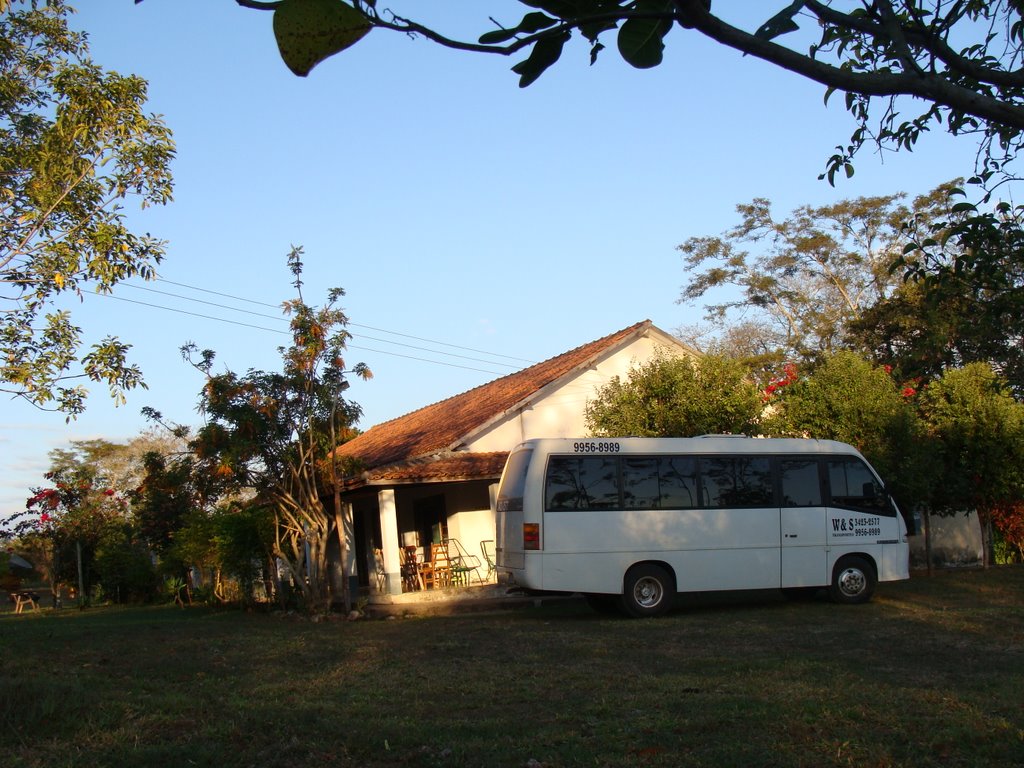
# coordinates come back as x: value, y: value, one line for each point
x: 464, y: 565
x: 412, y: 577
x: 438, y: 572
x: 487, y: 547
x: 379, y: 570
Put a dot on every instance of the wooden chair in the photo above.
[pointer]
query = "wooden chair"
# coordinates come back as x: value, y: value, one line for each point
x: 438, y: 572
x: 412, y: 577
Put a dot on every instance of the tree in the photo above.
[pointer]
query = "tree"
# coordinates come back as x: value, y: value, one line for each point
x: 234, y: 540
x: 272, y: 432
x: 678, y: 397
x: 947, y: 321
x: 64, y: 523
x: 964, y: 299
x: 904, y: 66
x: 847, y: 398
x: 978, y: 440
x: 74, y: 144
x: 244, y: 538
x: 91, y: 503
x: 803, y: 280
x: 163, y: 499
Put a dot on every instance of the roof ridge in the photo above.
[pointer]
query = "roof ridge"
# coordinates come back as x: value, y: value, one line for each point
x: 440, y: 425
x: 520, y: 372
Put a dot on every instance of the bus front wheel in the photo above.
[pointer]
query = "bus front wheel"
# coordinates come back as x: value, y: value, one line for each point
x: 853, y: 581
x: 648, y: 590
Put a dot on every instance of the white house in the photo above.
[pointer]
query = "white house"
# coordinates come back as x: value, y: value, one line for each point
x: 433, y: 473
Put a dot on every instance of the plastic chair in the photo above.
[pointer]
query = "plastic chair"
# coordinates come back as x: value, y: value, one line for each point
x: 487, y: 547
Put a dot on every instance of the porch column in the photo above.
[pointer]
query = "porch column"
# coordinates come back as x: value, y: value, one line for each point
x: 389, y: 540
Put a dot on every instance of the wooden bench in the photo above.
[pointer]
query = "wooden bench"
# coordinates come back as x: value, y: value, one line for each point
x: 22, y: 599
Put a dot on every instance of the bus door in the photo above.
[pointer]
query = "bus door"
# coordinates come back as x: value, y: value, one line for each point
x: 509, y: 517
x: 737, y: 543
x: 802, y: 522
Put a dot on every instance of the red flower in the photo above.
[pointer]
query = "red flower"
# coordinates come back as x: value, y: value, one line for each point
x: 108, y: 492
x: 909, y: 391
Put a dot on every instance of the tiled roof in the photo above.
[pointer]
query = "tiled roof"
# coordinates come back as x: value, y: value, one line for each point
x: 454, y: 467
x: 441, y: 427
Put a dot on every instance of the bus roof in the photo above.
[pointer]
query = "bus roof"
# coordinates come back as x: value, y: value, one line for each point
x: 703, y: 444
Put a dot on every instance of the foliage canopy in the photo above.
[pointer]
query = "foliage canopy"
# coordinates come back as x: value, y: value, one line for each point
x: 273, y: 433
x: 74, y: 143
x: 905, y: 66
x: 677, y: 397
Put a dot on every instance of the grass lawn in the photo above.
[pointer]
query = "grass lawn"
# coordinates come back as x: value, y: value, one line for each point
x: 931, y: 673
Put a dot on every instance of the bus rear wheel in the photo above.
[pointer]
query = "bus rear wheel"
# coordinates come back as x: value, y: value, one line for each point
x: 853, y: 581
x: 648, y: 590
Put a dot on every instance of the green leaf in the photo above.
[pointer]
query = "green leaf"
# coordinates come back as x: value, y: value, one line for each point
x: 497, y: 36
x: 546, y: 52
x: 532, y: 22
x: 641, y: 41
x: 781, y: 23
x: 535, y: 22
x: 562, y: 9
x: 309, y: 31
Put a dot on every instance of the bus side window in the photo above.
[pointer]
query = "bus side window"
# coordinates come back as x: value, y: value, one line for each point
x: 853, y: 486
x: 677, y: 477
x: 659, y: 482
x: 640, y: 488
x: 736, y: 481
x: 590, y: 482
x: 801, y: 483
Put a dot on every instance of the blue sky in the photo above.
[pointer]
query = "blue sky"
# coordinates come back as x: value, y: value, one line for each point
x: 450, y: 204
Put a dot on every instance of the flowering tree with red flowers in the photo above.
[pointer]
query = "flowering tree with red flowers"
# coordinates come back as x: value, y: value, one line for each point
x: 68, y: 517
x: 847, y: 398
x: 977, y: 431
x: 1008, y: 519
x: 775, y: 386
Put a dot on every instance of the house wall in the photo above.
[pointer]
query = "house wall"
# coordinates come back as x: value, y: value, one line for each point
x: 560, y: 413
x: 956, y: 540
x: 471, y: 527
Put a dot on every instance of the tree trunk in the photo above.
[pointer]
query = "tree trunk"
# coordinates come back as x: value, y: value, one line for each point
x: 987, y: 540
x: 927, y: 517
x: 82, y: 599
x: 54, y: 577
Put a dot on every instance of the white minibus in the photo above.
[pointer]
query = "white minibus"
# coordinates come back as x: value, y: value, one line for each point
x: 630, y: 522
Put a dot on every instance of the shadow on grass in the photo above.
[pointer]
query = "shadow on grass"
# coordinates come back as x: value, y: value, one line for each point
x: 928, y: 674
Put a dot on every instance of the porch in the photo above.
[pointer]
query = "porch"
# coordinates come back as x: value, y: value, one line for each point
x: 427, y: 539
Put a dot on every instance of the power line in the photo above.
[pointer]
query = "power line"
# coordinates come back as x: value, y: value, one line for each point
x: 354, y: 325
x: 278, y: 330
x: 363, y: 336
